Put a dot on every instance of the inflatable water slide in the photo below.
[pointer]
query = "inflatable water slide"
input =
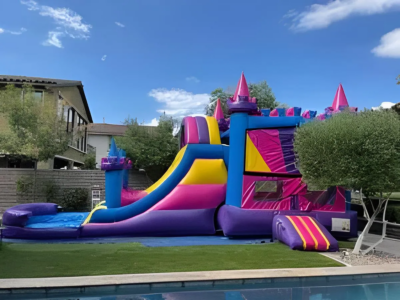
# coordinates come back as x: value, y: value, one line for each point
x: 237, y: 175
x: 182, y: 202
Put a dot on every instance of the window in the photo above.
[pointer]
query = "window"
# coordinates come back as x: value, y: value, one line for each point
x: 270, y: 190
x: 320, y: 198
x: 266, y: 186
x: 77, y: 126
x: 60, y: 105
x: 70, y: 114
x: 38, y: 95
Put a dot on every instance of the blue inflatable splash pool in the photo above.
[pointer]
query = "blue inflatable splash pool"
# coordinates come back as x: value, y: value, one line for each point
x: 60, y: 220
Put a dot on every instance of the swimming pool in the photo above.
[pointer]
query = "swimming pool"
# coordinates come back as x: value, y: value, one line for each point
x: 356, y: 287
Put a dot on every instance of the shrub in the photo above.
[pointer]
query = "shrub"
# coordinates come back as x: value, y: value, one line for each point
x: 50, y: 190
x: 25, y: 185
x: 90, y: 162
x: 75, y: 199
x: 393, y: 214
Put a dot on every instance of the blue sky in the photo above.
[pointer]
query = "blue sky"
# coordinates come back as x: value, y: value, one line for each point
x: 142, y: 57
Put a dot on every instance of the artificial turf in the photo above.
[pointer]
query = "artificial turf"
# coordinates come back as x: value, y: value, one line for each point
x: 55, y: 260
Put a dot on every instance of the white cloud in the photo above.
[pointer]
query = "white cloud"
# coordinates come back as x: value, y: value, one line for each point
x: 32, y: 5
x: 180, y: 103
x: 68, y: 19
x: 384, y: 105
x: 21, y: 31
x: 389, y: 46
x: 68, y: 22
x: 290, y: 14
x: 104, y: 57
x: 319, y: 16
x: 154, y: 122
x: 119, y: 24
x: 192, y: 79
x: 54, y: 39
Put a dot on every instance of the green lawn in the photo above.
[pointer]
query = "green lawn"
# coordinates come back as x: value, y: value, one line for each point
x: 346, y: 244
x: 52, y: 260
x: 395, y: 195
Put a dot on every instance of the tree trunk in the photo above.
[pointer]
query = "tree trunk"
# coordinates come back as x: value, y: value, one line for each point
x: 368, y: 226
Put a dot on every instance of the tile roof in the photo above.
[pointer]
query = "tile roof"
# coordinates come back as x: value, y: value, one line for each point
x: 37, y: 80
x: 111, y: 129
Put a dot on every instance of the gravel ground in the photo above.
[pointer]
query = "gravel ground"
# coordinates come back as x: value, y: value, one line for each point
x: 372, y: 258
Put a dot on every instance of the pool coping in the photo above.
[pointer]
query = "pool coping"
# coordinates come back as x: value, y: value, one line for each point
x: 184, y: 279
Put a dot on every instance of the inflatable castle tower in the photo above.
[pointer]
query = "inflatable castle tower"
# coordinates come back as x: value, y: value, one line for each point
x: 116, y: 167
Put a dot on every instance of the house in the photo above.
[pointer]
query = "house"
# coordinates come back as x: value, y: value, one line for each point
x: 71, y: 102
x: 100, y: 134
x: 99, y: 137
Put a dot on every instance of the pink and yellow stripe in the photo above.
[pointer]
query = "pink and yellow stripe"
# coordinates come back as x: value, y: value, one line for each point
x: 203, y: 187
x: 312, y: 236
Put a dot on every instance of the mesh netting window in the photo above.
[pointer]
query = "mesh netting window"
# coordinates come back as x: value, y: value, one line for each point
x: 320, y: 198
x: 268, y: 190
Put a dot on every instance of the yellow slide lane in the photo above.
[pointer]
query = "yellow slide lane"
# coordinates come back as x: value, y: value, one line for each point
x: 172, y: 168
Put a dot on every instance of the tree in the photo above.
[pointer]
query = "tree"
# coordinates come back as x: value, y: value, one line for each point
x: 89, y: 162
x: 35, y: 130
x: 150, y: 148
x: 398, y: 79
x: 359, y: 152
x: 262, y: 91
x: 218, y: 93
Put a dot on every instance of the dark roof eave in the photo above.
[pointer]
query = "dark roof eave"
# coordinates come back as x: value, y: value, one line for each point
x: 85, y: 103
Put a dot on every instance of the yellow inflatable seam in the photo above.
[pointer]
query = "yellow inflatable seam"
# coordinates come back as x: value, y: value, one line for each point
x: 298, y: 231
x: 213, y: 131
x: 175, y: 163
x: 92, y: 212
x: 321, y: 233
x: 100, y: 203
x: 206, y: 171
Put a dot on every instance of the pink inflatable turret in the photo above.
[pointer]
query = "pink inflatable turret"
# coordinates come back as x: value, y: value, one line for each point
x: 218, y: 113
x: 340, y: 100
x: 223, y: 124
x: 339, y: 104
x: 241, y: 101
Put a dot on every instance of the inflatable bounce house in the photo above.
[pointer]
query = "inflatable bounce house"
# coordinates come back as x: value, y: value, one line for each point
x: 249, y: 185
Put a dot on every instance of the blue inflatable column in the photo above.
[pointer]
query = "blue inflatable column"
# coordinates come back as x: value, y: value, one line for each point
x: 237, y: 137
x: 114, y: 167
x: 125, y: 179
x: 114, y: 188
x: 125, y: 175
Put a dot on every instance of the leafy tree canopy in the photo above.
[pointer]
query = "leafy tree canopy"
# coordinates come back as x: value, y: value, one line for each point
x: 353, y: 151
x: 150, y: 148
x: 262, y: 91
x: 35, y: 130
x: 218, y: 93
x: 89, y: 162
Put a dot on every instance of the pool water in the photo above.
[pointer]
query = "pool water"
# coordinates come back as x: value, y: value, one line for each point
x: 60, y: 220
x: 358, y: 292
x: 370, y: 291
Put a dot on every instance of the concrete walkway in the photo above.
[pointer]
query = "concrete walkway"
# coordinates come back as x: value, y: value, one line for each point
x: 179, y: 279
x: 388, y: 245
